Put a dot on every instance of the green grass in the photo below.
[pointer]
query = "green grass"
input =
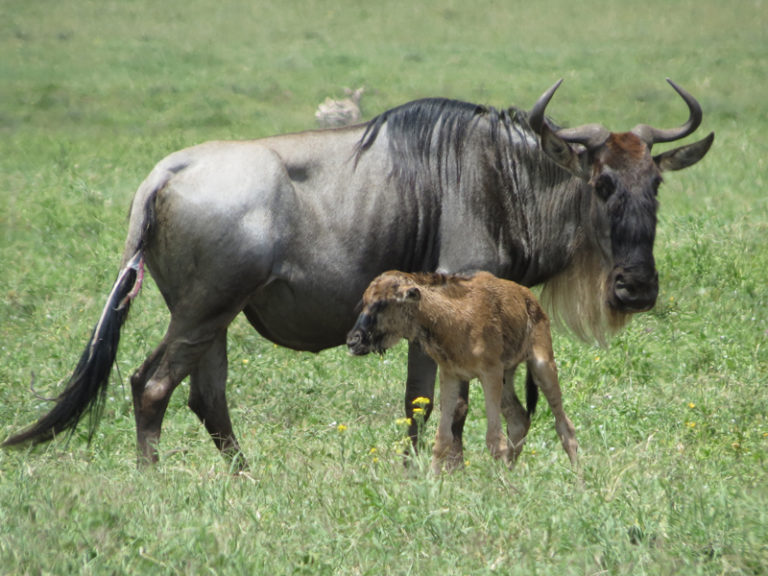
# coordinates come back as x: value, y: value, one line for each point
x: 672, y: 418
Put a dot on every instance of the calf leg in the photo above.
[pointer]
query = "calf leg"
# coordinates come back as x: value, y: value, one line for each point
x: 493, y: 385
x: 421, y: 383
x: 459, y: 418
x: 542, y: 366
x: 442, y: 450
x: 207, y: 399
x: 516, y: 416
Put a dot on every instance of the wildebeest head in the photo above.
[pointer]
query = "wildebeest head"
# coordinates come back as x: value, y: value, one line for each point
x: 624, y: 177
x: 388, y: 303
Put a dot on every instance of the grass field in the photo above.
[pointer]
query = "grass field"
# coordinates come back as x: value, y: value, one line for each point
x: 672, y: 418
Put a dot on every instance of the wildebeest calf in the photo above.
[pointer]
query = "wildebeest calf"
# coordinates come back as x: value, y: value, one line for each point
x: 477, y: 326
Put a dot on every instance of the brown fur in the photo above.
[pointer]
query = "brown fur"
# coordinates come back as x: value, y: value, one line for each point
x: 474, y: 327
x: 625, y: 150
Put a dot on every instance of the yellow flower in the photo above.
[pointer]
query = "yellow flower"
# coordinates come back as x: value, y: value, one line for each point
x: 372, y: 450
x: 341, y: 428
x: 691, y: 405
x: 245, y: 361
x: 418, y: 411
x: 403, y: 421
x: 421, y: 401
x: 691, y: 424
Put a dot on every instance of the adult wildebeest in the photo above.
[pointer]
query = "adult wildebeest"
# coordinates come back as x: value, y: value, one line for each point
x: 291, y: 229
x: 475, y: 326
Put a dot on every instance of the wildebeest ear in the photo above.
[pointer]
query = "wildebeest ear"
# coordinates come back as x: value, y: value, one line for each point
x: 412, y: 294
x: 684, y: 156
x: 565, y: 155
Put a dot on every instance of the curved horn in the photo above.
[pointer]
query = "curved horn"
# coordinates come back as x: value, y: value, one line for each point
x: 590, y: 135
x: 653, y: 135
x: 536, y: 115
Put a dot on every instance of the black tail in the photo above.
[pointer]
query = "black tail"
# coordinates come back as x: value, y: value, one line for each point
x: 87, y: 387
x: 531, y: 393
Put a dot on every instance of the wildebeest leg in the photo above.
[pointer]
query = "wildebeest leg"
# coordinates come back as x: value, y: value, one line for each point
x: 544, y: 371
x: 153, y: 384
x: 147, y: 453
x: 419, y: 383
x: 207, y: 399
x: 517, y: 418
x: 493, y: 384
x: 449, y: 395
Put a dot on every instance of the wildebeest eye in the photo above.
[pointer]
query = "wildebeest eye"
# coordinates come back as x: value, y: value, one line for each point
x: 604, y: 186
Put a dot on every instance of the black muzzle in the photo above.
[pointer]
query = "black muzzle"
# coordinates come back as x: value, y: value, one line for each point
x: 634, y: 289
x: 359, y: 338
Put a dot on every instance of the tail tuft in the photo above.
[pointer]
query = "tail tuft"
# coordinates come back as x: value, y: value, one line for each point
x: 531, y: 393
x: 87, y: 387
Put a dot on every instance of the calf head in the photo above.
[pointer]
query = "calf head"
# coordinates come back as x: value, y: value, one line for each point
x: 624, y: 178
x: 387, y: 315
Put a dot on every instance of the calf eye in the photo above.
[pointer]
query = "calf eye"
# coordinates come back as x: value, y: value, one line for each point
x: 604, y: 186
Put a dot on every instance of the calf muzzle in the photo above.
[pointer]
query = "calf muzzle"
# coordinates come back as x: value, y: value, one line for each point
x: 356, y: 343
x: 358, y: 339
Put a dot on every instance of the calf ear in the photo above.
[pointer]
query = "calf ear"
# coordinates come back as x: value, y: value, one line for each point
x: 563, y: 154
x: 412, y: 294
x: 684, y: 156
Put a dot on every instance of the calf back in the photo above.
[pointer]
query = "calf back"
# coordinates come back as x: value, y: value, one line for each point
x: 472, y: 325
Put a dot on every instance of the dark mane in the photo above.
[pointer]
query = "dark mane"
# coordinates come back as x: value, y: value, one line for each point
x: 424, y: 134
x: 420, y: 117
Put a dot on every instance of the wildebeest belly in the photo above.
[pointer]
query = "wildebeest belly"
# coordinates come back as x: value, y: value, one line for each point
x: 302, y: 317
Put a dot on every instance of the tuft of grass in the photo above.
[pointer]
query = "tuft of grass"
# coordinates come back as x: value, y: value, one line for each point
x: 671, y: 418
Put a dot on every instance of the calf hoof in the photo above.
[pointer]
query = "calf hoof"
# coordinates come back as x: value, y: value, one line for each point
x: 449, y: 465
x: 513, y: 453
x: 454, y: 461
